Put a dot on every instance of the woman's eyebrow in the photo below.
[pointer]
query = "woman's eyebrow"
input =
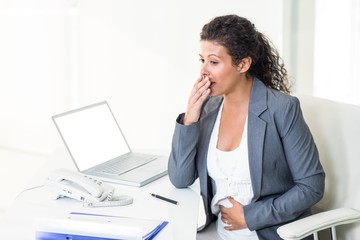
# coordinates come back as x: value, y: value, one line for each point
x: 211, y: 54
x: 214, y: 55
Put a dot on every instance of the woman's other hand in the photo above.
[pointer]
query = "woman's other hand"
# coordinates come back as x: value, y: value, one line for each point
x: 197, y: 97
x: 233, y: 216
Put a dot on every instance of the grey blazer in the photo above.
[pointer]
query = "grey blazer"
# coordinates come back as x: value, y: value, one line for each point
x: 286, y: 174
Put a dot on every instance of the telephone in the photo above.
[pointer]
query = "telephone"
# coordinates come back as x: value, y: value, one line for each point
x: 90, y: 190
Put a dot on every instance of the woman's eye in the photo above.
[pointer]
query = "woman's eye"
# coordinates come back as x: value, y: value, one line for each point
x: 211, y: 62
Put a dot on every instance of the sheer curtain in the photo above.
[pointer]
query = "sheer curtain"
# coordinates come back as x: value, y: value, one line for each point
x: 337, y: 50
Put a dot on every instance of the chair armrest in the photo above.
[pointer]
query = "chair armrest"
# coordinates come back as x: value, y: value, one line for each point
x: 306, y: 226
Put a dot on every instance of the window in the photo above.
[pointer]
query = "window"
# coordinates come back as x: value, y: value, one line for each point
x: 337, y: 50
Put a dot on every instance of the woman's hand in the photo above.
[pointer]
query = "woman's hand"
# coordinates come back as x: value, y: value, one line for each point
x: 233, y: 216
x: 197, y: 97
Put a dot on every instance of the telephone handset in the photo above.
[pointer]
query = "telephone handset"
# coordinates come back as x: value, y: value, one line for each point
x: 90, y: 190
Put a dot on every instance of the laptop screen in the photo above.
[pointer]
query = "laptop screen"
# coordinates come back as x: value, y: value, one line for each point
x: 91, y: 135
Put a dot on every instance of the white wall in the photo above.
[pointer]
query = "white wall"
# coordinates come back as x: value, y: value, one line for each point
x: 35, y: 70
x: 141, y: 56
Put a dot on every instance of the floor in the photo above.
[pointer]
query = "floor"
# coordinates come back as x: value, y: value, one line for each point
x: 17, y: 169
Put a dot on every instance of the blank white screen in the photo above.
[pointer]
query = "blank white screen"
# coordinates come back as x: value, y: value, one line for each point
x: 92, y: 136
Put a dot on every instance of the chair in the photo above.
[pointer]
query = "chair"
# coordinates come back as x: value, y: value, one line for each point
x: 336, y: 130
x: 313, y: 224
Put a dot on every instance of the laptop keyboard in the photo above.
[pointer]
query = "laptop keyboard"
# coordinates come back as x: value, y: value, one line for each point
x: 126, y: 164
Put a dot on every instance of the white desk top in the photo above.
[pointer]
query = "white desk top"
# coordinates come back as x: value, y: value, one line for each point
x: 38, y: 202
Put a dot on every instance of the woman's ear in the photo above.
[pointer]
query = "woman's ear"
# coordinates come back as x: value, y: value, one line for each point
x: 244, y: 65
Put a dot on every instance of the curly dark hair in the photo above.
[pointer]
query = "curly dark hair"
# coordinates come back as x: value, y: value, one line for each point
x: 241, y: 39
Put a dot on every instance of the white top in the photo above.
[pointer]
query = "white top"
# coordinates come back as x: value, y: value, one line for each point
x: 230, y: 171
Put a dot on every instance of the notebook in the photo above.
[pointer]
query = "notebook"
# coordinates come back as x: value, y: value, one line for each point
x: 98, y: 147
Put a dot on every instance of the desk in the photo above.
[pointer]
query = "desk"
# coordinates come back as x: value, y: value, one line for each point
x: 37, y: 202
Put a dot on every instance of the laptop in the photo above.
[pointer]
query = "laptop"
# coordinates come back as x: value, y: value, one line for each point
x: 98, y: 147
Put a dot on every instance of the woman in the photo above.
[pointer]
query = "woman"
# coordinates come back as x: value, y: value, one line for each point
x: 244, y: 136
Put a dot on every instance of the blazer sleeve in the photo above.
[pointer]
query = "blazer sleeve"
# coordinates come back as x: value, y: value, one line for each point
x: 181, y: 166
x: 307, y: 173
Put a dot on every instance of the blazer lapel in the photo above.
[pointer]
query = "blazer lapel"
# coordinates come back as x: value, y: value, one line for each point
x: 256, y: 134
x: 208, y: 117
x: 207, y: 120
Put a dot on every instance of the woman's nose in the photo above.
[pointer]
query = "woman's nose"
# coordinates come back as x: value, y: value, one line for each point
x: 203, y: 70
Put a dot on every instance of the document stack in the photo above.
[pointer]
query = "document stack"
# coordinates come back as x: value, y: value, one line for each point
x: 81, y: 226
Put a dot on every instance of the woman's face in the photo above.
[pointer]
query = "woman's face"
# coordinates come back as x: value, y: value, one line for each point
x: 217, y: 65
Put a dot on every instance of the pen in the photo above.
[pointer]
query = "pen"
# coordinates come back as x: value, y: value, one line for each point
x: 164, y: 198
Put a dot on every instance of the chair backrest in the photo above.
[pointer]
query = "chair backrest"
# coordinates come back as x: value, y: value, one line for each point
x: 336, y: 130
